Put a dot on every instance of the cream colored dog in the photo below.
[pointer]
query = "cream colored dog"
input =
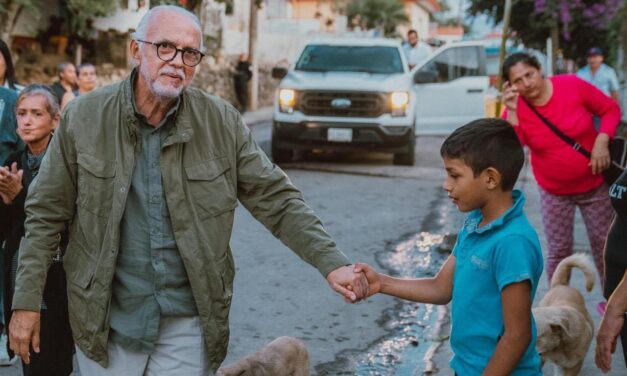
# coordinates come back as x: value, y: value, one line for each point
x: 285, y: 356
x: 565, y: 328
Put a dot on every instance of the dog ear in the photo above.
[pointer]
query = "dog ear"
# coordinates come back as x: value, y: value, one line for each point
x: 560, y: 325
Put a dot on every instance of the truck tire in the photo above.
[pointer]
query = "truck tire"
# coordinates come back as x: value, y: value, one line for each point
x: 408, y: 158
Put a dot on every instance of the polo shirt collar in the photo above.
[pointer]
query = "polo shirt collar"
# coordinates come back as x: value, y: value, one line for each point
x: 475, y: 217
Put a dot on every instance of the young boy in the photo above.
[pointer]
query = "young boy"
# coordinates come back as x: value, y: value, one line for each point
x: 492, y: 275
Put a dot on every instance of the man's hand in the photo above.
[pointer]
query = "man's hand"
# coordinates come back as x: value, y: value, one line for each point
x: 600, y: 154
x: 609, y: 330
x: 374, y: 280
x: 10, y: 183
x: 24, y: 331
x: 352, y: 286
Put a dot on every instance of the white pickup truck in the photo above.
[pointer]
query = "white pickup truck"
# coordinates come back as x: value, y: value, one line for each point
x: 359, y: 94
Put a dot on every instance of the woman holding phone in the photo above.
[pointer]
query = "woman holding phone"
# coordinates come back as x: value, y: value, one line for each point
x: 566, y: 178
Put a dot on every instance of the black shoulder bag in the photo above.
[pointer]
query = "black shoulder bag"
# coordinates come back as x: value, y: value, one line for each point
x: 617, y: 148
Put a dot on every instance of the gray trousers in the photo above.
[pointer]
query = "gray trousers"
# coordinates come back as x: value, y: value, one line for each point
x: 179, y: 350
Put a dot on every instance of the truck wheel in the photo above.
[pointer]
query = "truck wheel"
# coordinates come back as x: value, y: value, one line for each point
x: 409, y: 158
x: 281, y: 155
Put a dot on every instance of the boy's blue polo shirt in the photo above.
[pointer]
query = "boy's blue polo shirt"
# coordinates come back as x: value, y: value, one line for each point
x: 489, y: 258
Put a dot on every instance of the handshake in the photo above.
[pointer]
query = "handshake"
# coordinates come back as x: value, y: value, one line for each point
x: 355, y: 282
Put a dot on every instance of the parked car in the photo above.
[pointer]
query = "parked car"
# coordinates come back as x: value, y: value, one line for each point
x: 358, y: 94
x: 345, y: 94
x: 450, y: 87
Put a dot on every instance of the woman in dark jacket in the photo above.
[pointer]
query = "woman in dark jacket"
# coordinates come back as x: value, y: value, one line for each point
x: 37, y: 113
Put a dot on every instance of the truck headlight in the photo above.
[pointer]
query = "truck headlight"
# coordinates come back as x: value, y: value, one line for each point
x: 398, y: 102
x: 287, y: 100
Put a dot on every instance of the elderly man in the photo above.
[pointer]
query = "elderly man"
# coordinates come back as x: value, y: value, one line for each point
x: 147, y: 173
x: 67, y: 80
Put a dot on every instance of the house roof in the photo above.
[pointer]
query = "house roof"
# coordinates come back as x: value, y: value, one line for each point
x: 450, y: 30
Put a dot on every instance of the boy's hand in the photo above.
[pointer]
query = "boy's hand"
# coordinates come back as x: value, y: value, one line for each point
x: 352, y: 286
x: 374, y: 279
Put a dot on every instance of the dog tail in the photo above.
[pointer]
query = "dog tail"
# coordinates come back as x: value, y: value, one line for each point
x: 562, y: 272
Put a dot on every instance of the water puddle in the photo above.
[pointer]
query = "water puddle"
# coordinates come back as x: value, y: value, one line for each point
x: 414, y: 329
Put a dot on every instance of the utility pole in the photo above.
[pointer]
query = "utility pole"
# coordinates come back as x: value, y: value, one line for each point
x: 460, y: 16
x: 499, y: 83
x: 253, y: 88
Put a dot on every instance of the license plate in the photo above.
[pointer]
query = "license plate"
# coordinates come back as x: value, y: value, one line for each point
x: 340, y: 135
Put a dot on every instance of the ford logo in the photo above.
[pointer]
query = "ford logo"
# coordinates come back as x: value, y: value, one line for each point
x: 341, y: 103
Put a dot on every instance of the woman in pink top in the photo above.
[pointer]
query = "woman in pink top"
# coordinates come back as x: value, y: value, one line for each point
x: 566, y: 178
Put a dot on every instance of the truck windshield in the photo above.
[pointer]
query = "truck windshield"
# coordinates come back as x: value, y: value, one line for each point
x: 371, y: 59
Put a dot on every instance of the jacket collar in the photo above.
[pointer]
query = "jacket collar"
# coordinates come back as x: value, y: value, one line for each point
x: 182, y: 130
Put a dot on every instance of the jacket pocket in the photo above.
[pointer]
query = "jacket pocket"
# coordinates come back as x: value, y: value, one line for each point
x: 210, y: 188
x: 79, y: 266
x: 95, y: 180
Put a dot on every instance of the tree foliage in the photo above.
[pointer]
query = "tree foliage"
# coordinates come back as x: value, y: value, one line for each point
x: 581, y: 23
x: 382, y: 15
x: 83, y: 11
x: 10, y: 10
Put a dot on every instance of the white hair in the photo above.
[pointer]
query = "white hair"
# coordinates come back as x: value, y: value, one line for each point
x: 142, y: 28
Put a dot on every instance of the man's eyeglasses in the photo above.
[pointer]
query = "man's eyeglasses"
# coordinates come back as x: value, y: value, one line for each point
x: 166, y: 51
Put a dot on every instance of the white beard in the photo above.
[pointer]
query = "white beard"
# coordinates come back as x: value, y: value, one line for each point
x: 160, y: 90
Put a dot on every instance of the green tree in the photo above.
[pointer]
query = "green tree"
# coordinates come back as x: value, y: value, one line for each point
x: 574, y: 25
x: 10, y: 10
x: 83, y: 11
x: 381, y: 15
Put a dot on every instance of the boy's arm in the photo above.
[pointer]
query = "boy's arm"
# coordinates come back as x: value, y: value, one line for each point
x: 436, y: 290
x: 516, y: 300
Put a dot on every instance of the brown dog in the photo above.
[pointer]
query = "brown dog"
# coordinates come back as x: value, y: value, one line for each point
x: 565, y: 328
x: 285, y: 356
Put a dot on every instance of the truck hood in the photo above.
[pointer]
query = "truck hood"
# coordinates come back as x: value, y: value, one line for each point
x: 346, y: 81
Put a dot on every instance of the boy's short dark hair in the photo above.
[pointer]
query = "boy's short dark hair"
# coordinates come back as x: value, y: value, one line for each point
x: 484, y: 143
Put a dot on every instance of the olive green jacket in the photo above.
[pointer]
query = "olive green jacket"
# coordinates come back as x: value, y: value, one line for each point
x: 209, y: 161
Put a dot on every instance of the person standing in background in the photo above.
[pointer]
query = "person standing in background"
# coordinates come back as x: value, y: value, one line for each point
x: 87, y: 81
x: 240, y: 80
x: 600, y: 74
x: 7, y: 71
x: 566, y: 179
x: 67, y: 80
x: 37, y: 113
x: 415, y: 50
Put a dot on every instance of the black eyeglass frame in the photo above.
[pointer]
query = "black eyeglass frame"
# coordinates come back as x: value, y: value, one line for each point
x: 176, y: 51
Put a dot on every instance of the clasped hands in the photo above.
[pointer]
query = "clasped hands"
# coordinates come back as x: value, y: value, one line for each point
x: 10, y: 183
x: 353, y: 282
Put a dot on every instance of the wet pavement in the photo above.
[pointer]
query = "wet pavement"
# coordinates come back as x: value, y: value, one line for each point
x: 415, y: 331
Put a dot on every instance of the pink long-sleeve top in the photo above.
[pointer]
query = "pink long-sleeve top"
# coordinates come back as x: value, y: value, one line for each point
x: 559, y: 169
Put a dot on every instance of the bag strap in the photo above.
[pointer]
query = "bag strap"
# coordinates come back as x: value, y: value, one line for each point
x: 574, y: 144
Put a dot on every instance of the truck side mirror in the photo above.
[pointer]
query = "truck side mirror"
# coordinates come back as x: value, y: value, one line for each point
x: 279, y: 72
x: 425, y: 77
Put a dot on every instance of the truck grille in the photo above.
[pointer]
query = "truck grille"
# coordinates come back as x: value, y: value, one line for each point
x: 361, y: 104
